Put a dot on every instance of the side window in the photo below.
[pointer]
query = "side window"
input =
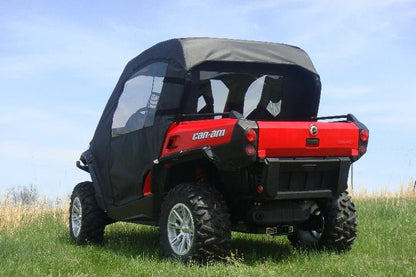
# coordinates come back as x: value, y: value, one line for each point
x: 137, y: 104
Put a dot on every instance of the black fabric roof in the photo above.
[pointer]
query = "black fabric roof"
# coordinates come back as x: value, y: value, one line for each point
x: 190, y: 52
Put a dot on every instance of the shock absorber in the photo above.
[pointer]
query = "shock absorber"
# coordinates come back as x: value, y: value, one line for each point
x: 201, y: 175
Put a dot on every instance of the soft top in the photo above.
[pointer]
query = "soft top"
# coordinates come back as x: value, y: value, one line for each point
x: 190, y: 52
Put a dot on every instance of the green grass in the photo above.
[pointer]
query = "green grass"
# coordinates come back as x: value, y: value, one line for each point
x: 386, y: 246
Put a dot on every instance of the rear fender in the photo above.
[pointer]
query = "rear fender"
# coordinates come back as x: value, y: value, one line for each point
x: 221, y: 141
x: 167, y: 165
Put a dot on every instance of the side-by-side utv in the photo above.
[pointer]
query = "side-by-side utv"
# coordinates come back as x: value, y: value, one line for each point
x: 206, y: 136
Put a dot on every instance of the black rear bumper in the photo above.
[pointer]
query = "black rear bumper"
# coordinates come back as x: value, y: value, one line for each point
x: 305, y: 178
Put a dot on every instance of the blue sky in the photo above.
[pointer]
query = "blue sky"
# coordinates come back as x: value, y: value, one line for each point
x: 60, y: 60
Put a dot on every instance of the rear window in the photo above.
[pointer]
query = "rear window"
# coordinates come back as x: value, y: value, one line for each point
x: 257, y: 92
x: 255, y: 97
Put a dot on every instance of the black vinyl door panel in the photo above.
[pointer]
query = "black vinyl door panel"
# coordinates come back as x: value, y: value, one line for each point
x: 132, y: 155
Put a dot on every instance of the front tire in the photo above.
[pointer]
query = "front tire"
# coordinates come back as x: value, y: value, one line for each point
x: 194, y: 223
x: 332, y: 225
x: 86, y: 220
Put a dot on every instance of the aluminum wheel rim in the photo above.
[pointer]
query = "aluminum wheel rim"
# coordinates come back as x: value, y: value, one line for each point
x: 76, y: 216
x: 181, y: 229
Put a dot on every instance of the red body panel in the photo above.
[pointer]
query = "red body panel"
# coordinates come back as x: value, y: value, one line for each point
x: 147, y: 184
x: 192, y: 134
x: 289, y: 139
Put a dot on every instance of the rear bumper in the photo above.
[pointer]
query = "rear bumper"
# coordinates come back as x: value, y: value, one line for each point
x: 305, y: 178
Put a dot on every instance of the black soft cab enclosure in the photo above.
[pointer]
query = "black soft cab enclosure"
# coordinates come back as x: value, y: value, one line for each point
x: 164, y: 82
x: 222, y: 128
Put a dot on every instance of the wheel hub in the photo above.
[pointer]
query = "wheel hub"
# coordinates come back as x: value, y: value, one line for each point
x: 181, y: 228
x: 76, y: 216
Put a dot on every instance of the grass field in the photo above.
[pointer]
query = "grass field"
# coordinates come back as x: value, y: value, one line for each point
x: 34, y: 241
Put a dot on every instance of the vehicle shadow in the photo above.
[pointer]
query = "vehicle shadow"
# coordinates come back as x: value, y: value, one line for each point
x: 144, y: 242
x: 133, y: 243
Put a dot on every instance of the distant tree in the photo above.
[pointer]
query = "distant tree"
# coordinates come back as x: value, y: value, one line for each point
x: 25, y: 195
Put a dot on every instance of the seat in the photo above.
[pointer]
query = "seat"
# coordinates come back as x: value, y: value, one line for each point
x: 269, y: 106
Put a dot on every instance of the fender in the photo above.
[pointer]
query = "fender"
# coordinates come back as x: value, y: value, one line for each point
x: 162, y: 166
x: 188, y: 155
x: 87, y: 158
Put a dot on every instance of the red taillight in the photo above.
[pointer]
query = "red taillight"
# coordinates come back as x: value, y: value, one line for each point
x: 251, y: 135
x: 362, y: 149
x: 260, y: 189
x: 250, y: 150
x: 364, y: 134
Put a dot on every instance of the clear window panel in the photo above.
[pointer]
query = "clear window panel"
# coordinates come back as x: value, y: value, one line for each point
x: 137, y: 104
x: 257, y: 97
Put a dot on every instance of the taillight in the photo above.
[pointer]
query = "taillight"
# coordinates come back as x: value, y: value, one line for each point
x: 251, y: 139
x: 250, y: 150
x: 260, y: 189
x: 251, y: 135
x: 364, y: 134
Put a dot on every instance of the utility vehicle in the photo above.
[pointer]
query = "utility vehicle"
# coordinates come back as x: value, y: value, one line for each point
x: 205, y: 136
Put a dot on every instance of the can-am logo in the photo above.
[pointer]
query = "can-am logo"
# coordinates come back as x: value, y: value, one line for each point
x: 208, y: 134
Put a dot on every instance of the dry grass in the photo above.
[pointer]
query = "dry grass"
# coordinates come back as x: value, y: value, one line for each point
x: 406, y: 191
x: 13, y: 215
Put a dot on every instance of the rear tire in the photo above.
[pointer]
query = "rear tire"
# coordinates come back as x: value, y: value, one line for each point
x: 86, y: 220
x: 333, y: 225
x: 194, y: 223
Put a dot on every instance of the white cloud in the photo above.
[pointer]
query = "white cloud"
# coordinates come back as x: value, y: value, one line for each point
x: 349, y: 92
x: 21, y: 150
x: 39, y: 45
x: 45, y: 127
x: 40, y: 147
